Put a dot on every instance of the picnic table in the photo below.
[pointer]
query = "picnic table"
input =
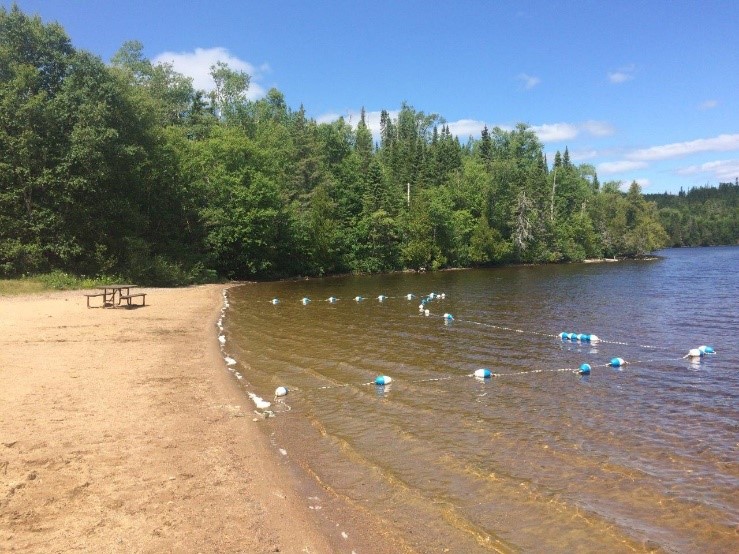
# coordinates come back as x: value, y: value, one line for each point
x: 109, y: 293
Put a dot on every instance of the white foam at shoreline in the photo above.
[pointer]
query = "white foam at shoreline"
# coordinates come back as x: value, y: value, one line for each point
x: 260, y: 403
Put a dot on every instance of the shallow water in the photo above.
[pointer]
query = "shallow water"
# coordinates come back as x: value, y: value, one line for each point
x: 537, y: 458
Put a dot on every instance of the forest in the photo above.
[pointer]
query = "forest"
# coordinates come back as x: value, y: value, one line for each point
x: 125, y: 169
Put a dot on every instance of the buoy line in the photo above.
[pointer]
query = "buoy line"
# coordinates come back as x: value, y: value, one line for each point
x: 483, y: 374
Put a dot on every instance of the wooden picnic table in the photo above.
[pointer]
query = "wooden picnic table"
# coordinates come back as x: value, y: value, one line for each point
x: 109, y: 293
x: 112, y: 290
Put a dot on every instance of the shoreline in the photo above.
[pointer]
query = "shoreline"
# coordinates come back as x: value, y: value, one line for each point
x: 121, y: 430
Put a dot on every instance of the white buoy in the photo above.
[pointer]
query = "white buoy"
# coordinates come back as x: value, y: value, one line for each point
x: 443, y: 295
x: 409, y: 296
x: 382, y: 297
x: 427, y: 313
x: 229, y: 360
x: 421, y: 307
x: 594, y: 338
x: 281, y: 391
x: 305, y: 300
x: 275, y: 301
x: 358, y: 298
x: 222, y: 339
x: 695, y: 353
x: 332, y: 299
x: 483, y: 373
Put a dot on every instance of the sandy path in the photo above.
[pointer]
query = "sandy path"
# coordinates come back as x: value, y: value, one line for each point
x: 121, y: 431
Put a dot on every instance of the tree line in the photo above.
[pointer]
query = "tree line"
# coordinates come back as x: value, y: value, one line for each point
x: 125, y: 169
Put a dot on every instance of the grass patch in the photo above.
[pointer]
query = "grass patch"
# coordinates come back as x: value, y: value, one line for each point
x: 56, y: 280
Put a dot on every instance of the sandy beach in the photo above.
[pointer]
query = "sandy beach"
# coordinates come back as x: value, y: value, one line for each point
x: 122, y: 431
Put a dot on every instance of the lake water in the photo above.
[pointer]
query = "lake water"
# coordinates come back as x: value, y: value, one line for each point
x: 538, y: 458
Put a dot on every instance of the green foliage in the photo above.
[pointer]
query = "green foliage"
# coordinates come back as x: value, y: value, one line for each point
x: 127, y: 170
x: 703, y: 216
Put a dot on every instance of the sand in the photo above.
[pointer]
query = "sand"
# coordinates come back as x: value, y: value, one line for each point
x: 122, y: 431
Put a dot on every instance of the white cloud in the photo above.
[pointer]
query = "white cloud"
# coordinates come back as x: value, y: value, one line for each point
x: 620, y: 166
x: 464, y: 128
x: 643, y: 182
x: 598, y: 128
x: 197, y: 65
x: 555, y: 132
x: 582, y: 155
x: 708, y: 105
x: 622, y: 74
x: 558, y: 132
x: 528, y: 81
x: 721, y: 143
x: 722, y: 170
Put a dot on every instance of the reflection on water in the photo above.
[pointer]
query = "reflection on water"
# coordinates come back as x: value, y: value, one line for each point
x: 537, y: 458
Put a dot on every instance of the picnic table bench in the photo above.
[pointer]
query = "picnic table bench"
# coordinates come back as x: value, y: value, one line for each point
x: 128, y: 297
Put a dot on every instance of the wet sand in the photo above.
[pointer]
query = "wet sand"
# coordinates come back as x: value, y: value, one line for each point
x: 121, y: 431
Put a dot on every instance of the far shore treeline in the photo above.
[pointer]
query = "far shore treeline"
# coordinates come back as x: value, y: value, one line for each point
x: 124, y: 169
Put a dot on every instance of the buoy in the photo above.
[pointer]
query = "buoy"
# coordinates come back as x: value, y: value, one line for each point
x: 426, y: 313
x: 275, y: 301
x: 358, y: 298
x: 332, y: 299
x: 707, y: 349
x: 449, y: 317
x: 409, y: 296
x: 281, y: 391
x: 573, y: 337
x: 695, y: 353
x: 383, y: 380
x: 617, y: 362
x: 420, y: 307
x: 585, y: 338
x: 443, y: 295
x: 585, y: 369
x: 222, y: 339
x: 564, y: 336
x: 381, y: 297
x: 483, y: 373
x: 305, y: 300
x: 594, y: 338
x: 431, y: 296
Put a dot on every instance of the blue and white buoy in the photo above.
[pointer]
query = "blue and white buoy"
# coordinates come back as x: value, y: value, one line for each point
x: 483, y: 373
x: 332, y: 299
x: 382, y: 298
x: 409, y: 296
x: 617, y: 362
x: 305, y: 300
x: 358, y: 298
x: 584, y: 369
x: 448, y: 317
x: 275, y: 301
x: 383, y: 380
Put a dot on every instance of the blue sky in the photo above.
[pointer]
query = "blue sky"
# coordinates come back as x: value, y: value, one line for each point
x: 642, y: 90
